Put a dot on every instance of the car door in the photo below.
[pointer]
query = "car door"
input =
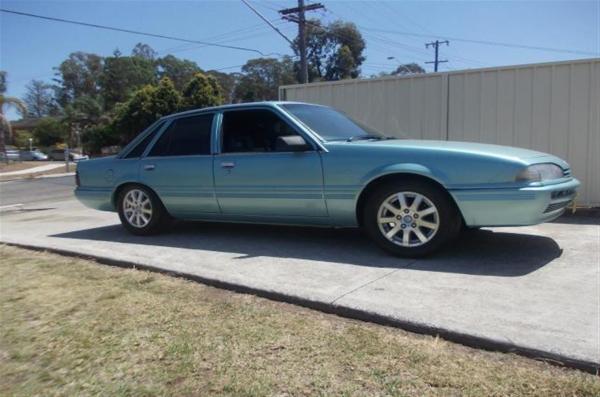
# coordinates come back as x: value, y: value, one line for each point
x: 178, y: 167
x: 256, y: 175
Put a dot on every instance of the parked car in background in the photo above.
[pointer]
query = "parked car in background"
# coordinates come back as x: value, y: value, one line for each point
x: 11, y: 154
x: 302, y: 164
x: 59, y: 155
x: 32, y: 155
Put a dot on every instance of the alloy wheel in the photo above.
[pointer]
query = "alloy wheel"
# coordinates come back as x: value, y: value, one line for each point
x: 137, y: 208
x: 408, y: 219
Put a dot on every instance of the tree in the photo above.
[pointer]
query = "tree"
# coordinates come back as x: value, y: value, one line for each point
x: 39, y: 99
x: 2, y: 81
x: 261, y: 78
x: 202, y: 91
x: 407, y: 69
x: 5, y: 127
x: 21, y: 138
x: 146, y: 106
x: 79, y: 75
x: 122, y: 76
x: 179, y: 71
x: 326, y: 55
x: 144, y: 51
x: 49, y: 132
x: 228, y: 82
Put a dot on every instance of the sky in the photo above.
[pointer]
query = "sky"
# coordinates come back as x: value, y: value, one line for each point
x: 30, y: 48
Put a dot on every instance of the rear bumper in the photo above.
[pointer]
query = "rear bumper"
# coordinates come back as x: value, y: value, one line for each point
x: 515, y: 207
x: 96, y: 198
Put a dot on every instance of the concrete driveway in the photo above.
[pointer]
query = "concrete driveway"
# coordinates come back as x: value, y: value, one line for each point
x: 535, y: 289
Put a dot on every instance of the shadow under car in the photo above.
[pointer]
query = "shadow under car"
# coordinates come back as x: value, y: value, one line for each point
x: 476, y: 252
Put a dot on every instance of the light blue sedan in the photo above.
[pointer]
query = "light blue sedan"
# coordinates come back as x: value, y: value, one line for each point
x: 302, y: 164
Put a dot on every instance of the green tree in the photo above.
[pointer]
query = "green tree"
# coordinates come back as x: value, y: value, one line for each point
x: 39, y: 99
x: 202, y: 91
x: 179, y: 71
x: 145, y: 106
x: 144, y: 51
x: 327, y: 58
x: 5, y: 127
x: 261, y: 78
x: 21, y: 138
x: 49, y: 132
x: 228, y: 82
x: 79, y: 75
x: 122, y: 76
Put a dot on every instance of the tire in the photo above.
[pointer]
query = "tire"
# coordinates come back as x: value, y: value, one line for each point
x: 412, y: 232
x: 140, y: 211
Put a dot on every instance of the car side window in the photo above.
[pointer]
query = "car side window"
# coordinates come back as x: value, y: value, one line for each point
x: 139, y: 149
x: 185, y: 136
x: 253, y: 130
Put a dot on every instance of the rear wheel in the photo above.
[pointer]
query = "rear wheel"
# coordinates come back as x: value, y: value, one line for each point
x: 410, y: 218
x: 140, y: 211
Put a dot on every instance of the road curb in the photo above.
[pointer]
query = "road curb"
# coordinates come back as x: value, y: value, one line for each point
x: 344, y: 311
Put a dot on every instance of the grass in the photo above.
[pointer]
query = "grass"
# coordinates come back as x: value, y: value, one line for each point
x: 73, y: 327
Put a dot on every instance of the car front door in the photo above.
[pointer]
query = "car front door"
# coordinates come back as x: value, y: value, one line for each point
x: 256, y: 175
x: 178, y: 167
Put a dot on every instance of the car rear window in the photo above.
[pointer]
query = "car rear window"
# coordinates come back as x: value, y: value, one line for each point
x: 185, y: 137
x: 139, y: 149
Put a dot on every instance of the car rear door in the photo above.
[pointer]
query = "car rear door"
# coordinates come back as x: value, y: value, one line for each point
x: 255, y: 177
x: 178, y: 167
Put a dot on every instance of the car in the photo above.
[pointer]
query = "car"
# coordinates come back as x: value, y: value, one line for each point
x: 9, y: 154
x: 303, y: 164
x: 59, y: 155
x: 32, y: 155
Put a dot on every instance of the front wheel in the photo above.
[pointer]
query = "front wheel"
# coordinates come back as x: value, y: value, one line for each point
x: 410, y: 218
x: 140, y: 211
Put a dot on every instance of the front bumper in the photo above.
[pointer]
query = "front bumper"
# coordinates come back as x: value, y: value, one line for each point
x: 96, y: 198
x: 515, y: 207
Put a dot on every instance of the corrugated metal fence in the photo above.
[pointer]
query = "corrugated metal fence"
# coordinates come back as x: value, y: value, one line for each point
x: 551, y: 107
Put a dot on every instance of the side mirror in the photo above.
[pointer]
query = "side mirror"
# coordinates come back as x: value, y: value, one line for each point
x: 292, y: 143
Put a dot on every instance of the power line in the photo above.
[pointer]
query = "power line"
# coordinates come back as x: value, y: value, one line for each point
x: 495, y: 43
x: 160, y: 36
x: 268, y: 22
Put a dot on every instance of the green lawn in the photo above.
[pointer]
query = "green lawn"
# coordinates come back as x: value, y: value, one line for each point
x: 73, y: 327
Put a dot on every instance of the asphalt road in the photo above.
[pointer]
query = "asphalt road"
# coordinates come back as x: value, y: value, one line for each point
x: 36, y: 191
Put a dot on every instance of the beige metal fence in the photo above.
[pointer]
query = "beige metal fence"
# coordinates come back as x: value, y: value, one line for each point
x: 551, y: 107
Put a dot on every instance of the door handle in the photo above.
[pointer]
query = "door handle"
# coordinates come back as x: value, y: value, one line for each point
x: 227, y: 165
x: 149, y: 167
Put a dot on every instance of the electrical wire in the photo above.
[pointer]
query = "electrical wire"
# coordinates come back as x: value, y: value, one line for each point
x: 161, y: 36
x: 485, y: 42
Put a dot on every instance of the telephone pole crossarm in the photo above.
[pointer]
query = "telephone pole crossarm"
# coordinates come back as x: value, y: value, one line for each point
x: 297, y: 15
x: 436, y: 46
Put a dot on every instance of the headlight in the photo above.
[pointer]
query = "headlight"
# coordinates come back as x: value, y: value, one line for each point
x: 540, y: 172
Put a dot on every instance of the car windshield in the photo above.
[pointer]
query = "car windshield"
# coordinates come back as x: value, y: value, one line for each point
x: 330, y: 124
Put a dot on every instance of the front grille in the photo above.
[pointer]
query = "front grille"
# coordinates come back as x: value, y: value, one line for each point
x: 556, y: 206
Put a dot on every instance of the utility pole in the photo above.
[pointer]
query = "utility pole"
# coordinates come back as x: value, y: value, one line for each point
x: 297, y: 15
x: 436, y: 45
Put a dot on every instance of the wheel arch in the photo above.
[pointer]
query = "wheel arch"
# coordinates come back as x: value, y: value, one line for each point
x: 399, y: 177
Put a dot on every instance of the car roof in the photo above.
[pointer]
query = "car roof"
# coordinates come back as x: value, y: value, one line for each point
x: 237, y: 106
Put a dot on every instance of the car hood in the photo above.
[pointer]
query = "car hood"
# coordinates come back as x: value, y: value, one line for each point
x: 472, y: 148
